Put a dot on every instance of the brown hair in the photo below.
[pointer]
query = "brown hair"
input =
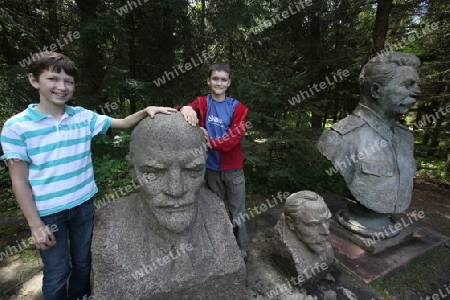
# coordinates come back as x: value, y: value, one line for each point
x: 53, y: 61
x: 219, y: 67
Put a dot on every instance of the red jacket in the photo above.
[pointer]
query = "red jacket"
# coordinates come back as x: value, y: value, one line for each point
x: 229, y: 146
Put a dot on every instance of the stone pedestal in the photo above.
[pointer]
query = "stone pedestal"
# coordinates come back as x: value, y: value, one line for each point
x: 368, y: 267
x: 365, y: 222
x: 378, y: 242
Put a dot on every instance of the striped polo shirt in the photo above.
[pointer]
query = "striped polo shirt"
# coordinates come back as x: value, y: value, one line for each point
x: 58, y: 153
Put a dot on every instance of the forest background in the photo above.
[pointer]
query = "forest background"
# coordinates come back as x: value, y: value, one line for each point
x: 295, y: 66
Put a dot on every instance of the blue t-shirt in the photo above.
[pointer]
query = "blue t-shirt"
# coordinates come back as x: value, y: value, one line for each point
x: 218, y: 121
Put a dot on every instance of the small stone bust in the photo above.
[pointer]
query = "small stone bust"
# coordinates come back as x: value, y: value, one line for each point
x: 301, y: 235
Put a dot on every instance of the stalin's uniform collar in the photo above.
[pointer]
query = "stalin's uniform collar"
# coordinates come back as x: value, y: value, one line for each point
x: 383, y: 128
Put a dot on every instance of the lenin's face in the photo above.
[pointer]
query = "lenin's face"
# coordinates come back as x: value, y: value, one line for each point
x: 171, y: 195
x: 397, y: 95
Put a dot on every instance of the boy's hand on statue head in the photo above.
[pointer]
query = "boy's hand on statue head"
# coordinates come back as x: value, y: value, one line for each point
x: 153, y: 110
x: 206, y: 136
x: 189, y: 115
x: 42, y: 237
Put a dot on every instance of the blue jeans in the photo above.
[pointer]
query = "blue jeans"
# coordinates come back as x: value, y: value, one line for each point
x: 71, y: 256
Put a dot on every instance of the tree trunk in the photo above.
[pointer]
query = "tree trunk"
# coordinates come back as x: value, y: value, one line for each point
x: 380, y: 28
x: 447, y: 165
x: 92, y: 61
x: 203, y: 25
x: 53, y: 18
x: 132, y: 57
x: 434, y: 136
x: 314, y: 58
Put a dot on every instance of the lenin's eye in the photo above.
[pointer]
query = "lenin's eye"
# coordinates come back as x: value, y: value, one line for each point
x: 153, y: 169
x: 196, y: 168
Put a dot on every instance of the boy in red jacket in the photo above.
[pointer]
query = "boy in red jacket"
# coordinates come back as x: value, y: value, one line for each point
x: 224, y: 120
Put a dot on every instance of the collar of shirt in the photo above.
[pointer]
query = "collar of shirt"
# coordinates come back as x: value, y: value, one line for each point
x: 374, y: 121
x: 38, y: 116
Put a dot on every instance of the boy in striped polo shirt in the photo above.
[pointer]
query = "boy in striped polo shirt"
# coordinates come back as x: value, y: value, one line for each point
x: 48, y: 149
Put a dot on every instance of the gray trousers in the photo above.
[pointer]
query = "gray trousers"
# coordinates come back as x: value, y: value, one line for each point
x: 230, y: 187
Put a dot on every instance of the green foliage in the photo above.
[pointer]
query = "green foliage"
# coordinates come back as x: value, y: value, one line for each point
x: 432, y: 167
x: 108, y: 156
x: 15, y: 91
x: 109, y: 171
x: 7, y: 201
x: 287, y: 161
x: 431, y: 161
x: 5, y: 181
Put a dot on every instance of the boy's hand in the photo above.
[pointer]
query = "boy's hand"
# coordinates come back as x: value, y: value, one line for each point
x: 133, y: 119
x: 42, y: 236
x: 189, y: 115
x: 153, y: 110
x: 206, y: 136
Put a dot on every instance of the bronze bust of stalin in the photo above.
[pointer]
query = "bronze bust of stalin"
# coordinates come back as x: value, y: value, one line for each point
x: 373, y: 152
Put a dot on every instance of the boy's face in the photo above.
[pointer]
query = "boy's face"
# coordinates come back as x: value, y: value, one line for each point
x: 219, y: 83
x: 54, y: 88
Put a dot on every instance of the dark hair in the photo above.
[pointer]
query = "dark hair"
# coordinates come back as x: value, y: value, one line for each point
x: 219, y: 67
x: 52, y: 61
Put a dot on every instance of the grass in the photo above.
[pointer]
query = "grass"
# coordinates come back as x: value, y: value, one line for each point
x: 12, y: 233
x: 422, y: 276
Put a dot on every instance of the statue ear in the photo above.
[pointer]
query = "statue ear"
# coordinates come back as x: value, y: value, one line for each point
x: 375, y: 90
x: 290, y: 223
x: 131, y: 169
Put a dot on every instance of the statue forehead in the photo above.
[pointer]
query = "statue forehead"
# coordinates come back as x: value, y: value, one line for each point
x: 378, y: 69
x: 165, y: 133
x: 407, y: 72
x: 317, y: 207
x: 308, y: 210
x: 316, y: 214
